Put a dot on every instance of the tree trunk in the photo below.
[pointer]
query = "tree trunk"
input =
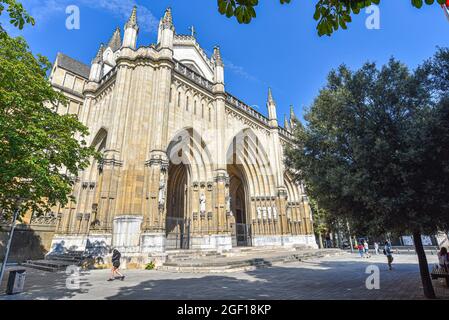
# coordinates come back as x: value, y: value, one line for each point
x: 320, y: 238
x: 423, y: 266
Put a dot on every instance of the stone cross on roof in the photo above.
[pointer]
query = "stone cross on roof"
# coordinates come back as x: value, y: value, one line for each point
x: 192, y: 31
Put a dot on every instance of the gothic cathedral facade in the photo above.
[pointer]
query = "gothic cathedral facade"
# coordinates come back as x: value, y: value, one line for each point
x: 185, y: 165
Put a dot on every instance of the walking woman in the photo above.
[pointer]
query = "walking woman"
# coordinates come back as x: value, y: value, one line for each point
x: 116, y: 255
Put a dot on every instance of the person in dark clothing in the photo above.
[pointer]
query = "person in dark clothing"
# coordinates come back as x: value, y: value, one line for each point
x: 116, y: 255
x: 388, y: 251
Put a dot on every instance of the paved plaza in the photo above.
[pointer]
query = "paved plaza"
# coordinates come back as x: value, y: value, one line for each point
x: 335, y: 277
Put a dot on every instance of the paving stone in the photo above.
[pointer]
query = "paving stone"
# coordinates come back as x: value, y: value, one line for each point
x: 334, y: 277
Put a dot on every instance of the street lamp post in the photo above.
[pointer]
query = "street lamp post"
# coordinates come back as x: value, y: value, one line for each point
x: 8, y: 247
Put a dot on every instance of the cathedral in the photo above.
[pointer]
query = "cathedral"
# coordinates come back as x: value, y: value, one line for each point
x: 184, y: 164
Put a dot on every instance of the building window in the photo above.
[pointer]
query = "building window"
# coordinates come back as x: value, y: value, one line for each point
x: 187, y: 103
x: 171, y: 95
x: 194, y: 108
x: 202, y: 110
x: 179, y: 99
x: 210, y: 114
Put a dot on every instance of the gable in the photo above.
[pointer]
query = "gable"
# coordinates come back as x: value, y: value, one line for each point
x: 191, y: 57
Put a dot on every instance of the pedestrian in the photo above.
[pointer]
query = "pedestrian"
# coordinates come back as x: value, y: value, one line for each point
x: 443, y: 258
x: 389, y: 253
x: 376, y: 248
x: 366, y: 247
x: 116, y: 255
x: 361, y: 249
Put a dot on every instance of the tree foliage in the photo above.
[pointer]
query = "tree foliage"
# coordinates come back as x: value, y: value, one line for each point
x: 39, y: 154
x: 329, y: 14
x: 376, y: 146
x: 17, y: 14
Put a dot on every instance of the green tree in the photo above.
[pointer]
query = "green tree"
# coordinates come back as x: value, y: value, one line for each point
x: 375, y: 149
x: 329, y: 14
x: 17, y: 14
x: 39, y: 154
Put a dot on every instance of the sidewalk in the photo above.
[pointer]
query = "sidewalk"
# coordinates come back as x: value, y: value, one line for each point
x: 337, y: 277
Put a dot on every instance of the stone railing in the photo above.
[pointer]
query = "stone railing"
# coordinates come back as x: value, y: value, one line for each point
x: 192, y: 75
x: 247, y: 109
x: 287, y: 134
x: 230, y: 99
x: 108, y: 75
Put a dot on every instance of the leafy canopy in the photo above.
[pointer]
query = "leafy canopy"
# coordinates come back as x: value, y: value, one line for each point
x: 17, y: 14
x: 376, y: 146
x: 330, y: 14
x: 39, y: 154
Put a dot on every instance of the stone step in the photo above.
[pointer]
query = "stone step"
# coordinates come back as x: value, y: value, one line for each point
x: 52, y: 263
x: 64, y: 258
x: 232, y: 264
x: 192, y: 257
x: 215, y: 269
x: 39, y: 267
x: 49, y: 265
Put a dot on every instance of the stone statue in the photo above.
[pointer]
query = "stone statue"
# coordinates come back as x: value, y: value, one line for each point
x: 269, y: 212
x: 275, y: 213
x: 162, y: 190
x: 202, y: 203
x: 259, y: 214
x: 228, y: 205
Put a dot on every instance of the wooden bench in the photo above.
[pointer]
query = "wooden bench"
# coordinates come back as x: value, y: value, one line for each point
x: 439, y: 272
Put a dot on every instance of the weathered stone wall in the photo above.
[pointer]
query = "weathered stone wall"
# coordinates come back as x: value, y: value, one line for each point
x: 29, y: 242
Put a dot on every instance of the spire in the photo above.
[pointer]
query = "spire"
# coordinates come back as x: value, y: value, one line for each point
x: 271, y: 105
x: 286, y: 123
x: 99, y: 57
x: 217, y: 56
x: 96, y: 69
x: 132, y: 22
x: 270, y: 96
x: 292, y: 113
x: 131, y: 31
x: 292, y: 117
x: 116, y: 40
x: 167, y: 20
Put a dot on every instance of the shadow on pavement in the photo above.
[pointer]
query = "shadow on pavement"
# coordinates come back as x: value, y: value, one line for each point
x: 307, y: 280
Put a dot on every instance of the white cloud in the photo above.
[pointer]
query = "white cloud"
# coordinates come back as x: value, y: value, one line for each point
x: 238, y: 70
x: 123, y: 8
x: 43, y: 10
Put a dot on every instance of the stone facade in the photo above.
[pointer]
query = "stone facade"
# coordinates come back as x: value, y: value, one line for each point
x: 185, y: 165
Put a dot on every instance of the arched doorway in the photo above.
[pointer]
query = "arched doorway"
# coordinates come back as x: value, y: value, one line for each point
x: 177, y: 223
x: 238, y: 202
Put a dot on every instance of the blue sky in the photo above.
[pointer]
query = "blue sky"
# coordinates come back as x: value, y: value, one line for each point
x: 280, y: 48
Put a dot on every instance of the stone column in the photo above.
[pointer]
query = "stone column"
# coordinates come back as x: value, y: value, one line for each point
x: 282, y: 209
x: 155, y: 207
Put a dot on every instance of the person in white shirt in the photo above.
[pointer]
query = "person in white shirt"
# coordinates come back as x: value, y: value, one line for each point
x: 376, y: 248
x: 366, y: 246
